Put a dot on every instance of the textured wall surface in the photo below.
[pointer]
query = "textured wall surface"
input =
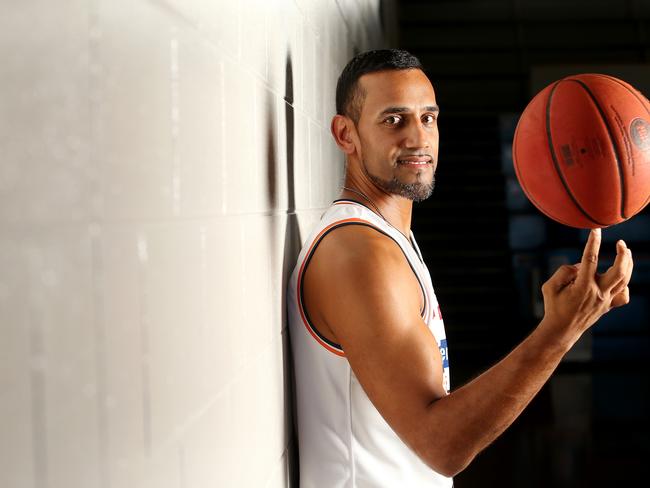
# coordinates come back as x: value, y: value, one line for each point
x: 160, y: 161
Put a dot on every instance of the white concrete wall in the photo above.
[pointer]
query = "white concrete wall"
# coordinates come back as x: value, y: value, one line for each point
x: 148, y: 222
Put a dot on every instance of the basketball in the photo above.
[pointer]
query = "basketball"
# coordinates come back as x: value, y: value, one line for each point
x: 581, y: 151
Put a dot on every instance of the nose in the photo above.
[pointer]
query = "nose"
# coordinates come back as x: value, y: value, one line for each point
x: 418, y: 137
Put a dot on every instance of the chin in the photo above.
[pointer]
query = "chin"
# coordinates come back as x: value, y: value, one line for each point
x: 416, y: 192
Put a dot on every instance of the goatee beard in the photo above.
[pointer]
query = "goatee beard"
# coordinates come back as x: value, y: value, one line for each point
x: 416, y: 192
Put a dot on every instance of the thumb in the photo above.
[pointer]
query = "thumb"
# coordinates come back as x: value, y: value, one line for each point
x: 563, y: 276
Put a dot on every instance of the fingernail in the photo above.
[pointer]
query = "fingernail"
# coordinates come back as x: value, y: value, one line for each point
x: 596, y: 231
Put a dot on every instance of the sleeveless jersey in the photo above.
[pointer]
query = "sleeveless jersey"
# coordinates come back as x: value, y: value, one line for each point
x: 343, y: 440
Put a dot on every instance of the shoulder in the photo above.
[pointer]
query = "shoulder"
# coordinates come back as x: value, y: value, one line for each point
x: 358, y: 244
x: 358, y: 267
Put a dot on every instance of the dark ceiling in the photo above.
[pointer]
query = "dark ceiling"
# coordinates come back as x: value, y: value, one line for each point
x: 479, y: 53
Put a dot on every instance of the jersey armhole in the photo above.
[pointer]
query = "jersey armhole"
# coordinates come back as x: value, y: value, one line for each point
x: 308, y: 323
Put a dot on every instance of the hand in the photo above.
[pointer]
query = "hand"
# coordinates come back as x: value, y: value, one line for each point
x: 575, y: 297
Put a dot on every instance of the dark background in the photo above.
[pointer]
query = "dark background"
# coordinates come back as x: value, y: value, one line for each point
x: 489, y: 250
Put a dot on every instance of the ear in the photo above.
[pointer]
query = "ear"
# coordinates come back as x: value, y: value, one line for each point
x: 343, y: 131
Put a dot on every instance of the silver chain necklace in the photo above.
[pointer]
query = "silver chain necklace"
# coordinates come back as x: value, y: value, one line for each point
x: 376, y: 208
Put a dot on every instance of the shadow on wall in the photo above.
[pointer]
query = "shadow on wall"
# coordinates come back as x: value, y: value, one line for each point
x: 292, y: 245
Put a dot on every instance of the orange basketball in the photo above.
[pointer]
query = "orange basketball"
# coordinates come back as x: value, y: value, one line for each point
x: 582, y: 151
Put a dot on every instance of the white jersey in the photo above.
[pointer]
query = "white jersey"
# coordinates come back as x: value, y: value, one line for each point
x: 344, y: 442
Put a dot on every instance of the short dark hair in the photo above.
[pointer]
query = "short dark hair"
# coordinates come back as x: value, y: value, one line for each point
x: 349, y: 95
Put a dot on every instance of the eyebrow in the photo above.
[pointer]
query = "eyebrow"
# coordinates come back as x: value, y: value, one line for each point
x: 397, y: 110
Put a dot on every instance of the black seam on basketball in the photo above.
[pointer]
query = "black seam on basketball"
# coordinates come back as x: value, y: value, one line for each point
x: 636, y: 94
x: 530, y: 196
x: 554, y: 157
x: 523, y: 185
x: 645, y: 102
x: 617, y: 151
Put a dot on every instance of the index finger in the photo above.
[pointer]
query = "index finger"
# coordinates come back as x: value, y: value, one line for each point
x: 589, y: 262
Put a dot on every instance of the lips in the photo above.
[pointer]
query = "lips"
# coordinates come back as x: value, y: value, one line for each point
x: 415, y: 160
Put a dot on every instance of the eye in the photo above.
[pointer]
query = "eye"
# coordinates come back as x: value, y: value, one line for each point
x: 429, y: 118
x: 392, y: 120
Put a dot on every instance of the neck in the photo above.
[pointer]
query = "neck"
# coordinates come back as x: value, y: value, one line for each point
x: 395, y: 209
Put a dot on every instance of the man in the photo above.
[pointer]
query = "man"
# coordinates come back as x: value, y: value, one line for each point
x: 374, y: 406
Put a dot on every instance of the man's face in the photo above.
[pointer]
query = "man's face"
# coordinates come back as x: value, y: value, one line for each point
x: 398, y: 131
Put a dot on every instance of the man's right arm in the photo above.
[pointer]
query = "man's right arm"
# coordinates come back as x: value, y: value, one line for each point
x: 364, y: 291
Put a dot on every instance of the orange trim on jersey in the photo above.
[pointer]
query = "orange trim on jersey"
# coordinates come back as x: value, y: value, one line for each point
x: 338, y: 352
